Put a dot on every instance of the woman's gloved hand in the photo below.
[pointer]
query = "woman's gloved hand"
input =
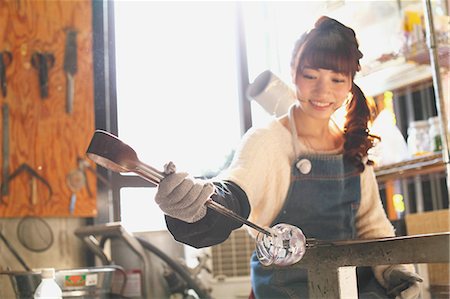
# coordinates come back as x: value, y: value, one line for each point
x: 183, y: 197
x: 401, y: 283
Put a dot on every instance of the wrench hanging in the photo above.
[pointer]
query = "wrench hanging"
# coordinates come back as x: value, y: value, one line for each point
x: 70, y: 67
x: 42, y: 62
x: 5, y: 151
x: 5, y: 61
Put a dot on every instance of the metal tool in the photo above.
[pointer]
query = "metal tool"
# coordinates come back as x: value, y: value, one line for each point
x: 84, y: 166
x: 5, y: 61
x: 42, y: 62
x: 70, y: 67
x: 110, y: 152
x: 7, y: 177
x: 14, y: 252
x: 5, y: 150
x: 76, y: 180
x: 33, y: 183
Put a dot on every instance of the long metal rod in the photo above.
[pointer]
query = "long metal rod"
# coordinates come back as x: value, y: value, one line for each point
x: 440, y: 103
x: 5, y: 150
x: 224, y: 211
x: 154, y: 176
x: 14, y: 252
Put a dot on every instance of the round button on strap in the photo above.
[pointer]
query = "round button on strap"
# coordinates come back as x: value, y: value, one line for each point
x: 304, y: 166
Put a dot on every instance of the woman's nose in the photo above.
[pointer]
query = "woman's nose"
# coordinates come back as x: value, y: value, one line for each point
x: 323, y: 87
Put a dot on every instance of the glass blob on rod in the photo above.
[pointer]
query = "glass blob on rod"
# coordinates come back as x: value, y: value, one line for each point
x: 282, y: 244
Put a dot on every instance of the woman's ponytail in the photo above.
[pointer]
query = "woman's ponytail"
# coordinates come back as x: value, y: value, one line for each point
x: 357, y: 138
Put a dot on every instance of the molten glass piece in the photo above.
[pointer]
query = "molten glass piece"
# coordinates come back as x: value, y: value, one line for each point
x: 285, y: 245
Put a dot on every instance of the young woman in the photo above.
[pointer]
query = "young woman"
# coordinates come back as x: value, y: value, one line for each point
x: 301, y: 169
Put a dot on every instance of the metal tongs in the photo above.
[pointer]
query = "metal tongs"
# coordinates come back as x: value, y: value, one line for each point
x: 110, y: 152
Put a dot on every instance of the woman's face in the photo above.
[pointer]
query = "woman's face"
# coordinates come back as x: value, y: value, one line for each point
x: 322, y: 91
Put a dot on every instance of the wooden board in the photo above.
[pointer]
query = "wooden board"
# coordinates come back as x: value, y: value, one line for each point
x: 41, y: 133
x: 431, y: 222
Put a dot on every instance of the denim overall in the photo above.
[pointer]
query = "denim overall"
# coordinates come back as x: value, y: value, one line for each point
x: 322, y: 200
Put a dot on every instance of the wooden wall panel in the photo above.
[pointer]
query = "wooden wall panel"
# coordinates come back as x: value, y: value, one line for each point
x: 41, y: 133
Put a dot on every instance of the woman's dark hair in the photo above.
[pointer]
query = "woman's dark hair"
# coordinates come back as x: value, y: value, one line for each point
x: 333, y: 46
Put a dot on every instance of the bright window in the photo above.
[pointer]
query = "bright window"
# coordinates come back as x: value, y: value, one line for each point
x: 177, y: 92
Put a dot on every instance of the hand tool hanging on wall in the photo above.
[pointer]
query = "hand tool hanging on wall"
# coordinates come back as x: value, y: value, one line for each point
x: 35, y: 234
x: 84, y: 165
x: 24, y: 167
x: 5, y: 151
x: 77, y: 180
x: 19, y: 5
x: 70, y: 67
x: 5, y: 61
x: 42, y: 62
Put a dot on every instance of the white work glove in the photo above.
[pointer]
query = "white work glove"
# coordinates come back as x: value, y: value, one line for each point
x: 401, y: 283
x: 183, y: 197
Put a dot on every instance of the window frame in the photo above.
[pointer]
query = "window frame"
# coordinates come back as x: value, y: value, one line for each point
x: 105, y: 99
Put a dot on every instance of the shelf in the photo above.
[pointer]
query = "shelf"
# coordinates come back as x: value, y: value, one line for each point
x: 432, y: 163
x: 420, y: 54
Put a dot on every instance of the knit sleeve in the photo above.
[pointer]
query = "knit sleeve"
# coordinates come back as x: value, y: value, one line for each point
x: 371, y: 219
x: 250, y: 168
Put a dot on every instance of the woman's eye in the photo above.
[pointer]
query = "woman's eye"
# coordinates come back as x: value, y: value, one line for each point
x: 339, y: 80
x: 306, y: 76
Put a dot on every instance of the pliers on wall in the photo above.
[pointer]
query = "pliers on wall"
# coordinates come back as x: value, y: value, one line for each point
x: 24, y: 167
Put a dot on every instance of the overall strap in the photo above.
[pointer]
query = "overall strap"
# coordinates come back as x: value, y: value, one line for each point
x: 293, y: 130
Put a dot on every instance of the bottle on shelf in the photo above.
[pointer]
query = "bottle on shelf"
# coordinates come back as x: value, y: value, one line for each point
x: 48, y: 288
x: 435, y: 134
x: 419, y: 138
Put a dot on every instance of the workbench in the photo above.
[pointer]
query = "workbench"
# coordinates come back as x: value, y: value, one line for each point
x: 332, y: 266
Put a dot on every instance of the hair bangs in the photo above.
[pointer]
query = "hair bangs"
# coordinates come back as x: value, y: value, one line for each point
x: 333, y: 57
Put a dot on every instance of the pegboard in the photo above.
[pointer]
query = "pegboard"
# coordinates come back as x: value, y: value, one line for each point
x: 43, y: 140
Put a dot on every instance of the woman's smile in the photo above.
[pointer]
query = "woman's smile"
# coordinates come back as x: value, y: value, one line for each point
x: 320, y: 105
